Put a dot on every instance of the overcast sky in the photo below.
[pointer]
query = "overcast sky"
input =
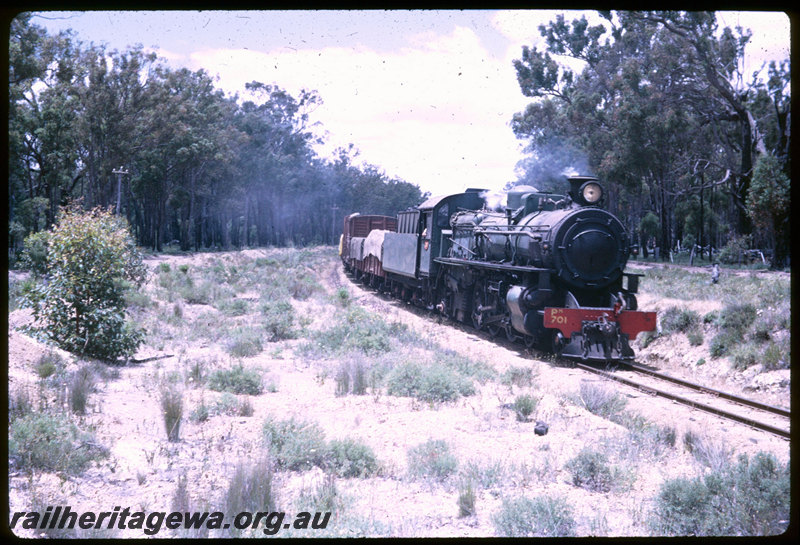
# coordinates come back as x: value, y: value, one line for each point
x: 426, y: 96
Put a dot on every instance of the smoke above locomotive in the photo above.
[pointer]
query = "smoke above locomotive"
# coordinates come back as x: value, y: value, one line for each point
x: 543, y: 267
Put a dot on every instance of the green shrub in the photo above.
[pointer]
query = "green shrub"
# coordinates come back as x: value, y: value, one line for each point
x: 303, y: 286
x: 52, y: 443
x: 745, y: 355
x: 279, y: 319
x: 777, y: 355
x: 465, y: 366
x: 695, y: 337
x: 521, y: 377
x: 34, y: 256
x: 722, y: 343
x: 244, y: 343
x: 48, y: 364
x: 322, y: 498
x: 590, y: 470
x: 737, y: 317
x: 233, y: 307
x: 357, y: 330
x: 236, y: 380
x: 524, y: 405
x: 200, y: 413
x: 538, y: 517
x: 431, y: 383
x: 748, y: 498
x: 350, y: 458
x: 91, y: 261
x: 432, y: 459
x: 486, y: 475
x: 343, y: 297
x: 295, y: 444
x: 678, y: 319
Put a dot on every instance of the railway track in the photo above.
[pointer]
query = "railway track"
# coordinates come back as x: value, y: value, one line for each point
x: 746, y: 411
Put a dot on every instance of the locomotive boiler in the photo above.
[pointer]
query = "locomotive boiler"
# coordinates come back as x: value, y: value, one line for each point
x: 547, y: 269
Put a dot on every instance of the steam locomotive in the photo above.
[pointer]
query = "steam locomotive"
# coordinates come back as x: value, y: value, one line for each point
x: 546, y: 269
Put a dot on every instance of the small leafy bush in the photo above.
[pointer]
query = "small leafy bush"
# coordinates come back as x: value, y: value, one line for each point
x: 678, y: 319
x: 524, y: 405
x: 522, y: 377
x: 244, y: 343
x: 750, y: 498
x: 431, y: 383
x: 279, y: 317
x: 48, y: 364
x: 695, y: 337
x: 51, y: 442
x: 357, y: 330
x: 350, y: 458
x: 590, y: 470
x: 34, y: 255
x: 233, y: 307
x: 432, y: 459
x: 91, y: 262
x: 236, y: 380
x: 543, y: 516
x: 296, y: 444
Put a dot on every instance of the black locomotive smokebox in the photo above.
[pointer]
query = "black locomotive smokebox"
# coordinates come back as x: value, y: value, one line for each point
x: 590, y: 248
x: 592, y: 252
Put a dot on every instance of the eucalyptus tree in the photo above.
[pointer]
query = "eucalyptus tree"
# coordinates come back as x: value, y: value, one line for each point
x: 43, y: 163
x: 659, y: 108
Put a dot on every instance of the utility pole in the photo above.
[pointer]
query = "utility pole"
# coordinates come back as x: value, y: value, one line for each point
x: 119, y: 172
x: 333, y: 222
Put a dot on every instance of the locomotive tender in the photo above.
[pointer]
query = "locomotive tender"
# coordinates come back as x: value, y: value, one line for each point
x: 547, y: 269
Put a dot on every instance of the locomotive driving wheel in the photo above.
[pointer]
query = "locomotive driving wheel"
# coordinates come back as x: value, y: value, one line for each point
x: 480, y: 302
x: 511, y: 333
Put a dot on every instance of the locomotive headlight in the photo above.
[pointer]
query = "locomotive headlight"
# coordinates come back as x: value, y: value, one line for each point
x: 591, y: 192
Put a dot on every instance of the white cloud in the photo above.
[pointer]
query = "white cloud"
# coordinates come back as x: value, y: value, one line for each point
x: 435, y: 113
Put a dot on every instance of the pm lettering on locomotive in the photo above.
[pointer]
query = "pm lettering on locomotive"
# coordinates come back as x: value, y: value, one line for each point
x: 546, y: 269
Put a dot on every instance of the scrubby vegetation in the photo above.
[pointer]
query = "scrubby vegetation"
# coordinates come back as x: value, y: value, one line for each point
x: 753, y: 326
x: 542, y: 516
x: 747, y: 498
x: 235, y: 334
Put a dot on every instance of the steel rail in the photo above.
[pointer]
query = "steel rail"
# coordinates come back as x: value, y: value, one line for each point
x: 691, y: 403
x: 705, y: 389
